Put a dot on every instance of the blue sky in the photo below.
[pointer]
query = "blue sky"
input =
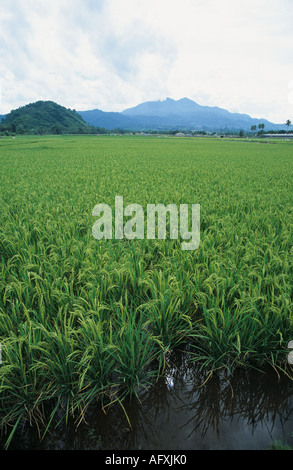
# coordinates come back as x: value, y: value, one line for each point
x: 114, y: 54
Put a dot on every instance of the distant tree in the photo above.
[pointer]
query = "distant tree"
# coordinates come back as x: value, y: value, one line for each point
x: 20, y: 129
x: 261, y: 129
x: 288, y: 123
x: 253, y: 128
x: 56, y: 130
x: 241, y: 133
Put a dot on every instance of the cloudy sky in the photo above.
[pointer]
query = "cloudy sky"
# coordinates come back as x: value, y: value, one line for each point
x: 114, y: 54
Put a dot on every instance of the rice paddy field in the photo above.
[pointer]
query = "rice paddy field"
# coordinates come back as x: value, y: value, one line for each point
x: 85, y: 320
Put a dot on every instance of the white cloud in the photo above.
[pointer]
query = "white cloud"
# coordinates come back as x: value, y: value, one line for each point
x: 113, y: 54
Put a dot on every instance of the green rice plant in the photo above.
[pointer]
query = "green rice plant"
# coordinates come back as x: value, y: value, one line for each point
x: 22, y: 390
x: 135, y: 352
x: 84, y: 320
x: 166, y: 316
x: 241, y: 336
x: 95, y: 369
x: 58, y: 364
x: 166, y: 320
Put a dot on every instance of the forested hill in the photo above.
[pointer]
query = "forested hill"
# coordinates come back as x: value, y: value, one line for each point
x: 44, y: 117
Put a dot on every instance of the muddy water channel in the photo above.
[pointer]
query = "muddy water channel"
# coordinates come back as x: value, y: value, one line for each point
x: 249, y: 410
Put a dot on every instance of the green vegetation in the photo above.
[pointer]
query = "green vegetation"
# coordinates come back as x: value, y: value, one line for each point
x: 279, y: 445
x: 49, y: 118
x: 45, y: 117
x: 84, y: 320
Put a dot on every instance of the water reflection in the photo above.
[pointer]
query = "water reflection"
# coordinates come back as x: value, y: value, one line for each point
x: 245, y: 411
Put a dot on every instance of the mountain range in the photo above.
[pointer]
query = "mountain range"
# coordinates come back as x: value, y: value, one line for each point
x: 169, y: 114
x: 46, y: 117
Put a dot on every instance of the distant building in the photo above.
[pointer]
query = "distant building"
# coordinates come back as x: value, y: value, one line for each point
x: 278, y: 136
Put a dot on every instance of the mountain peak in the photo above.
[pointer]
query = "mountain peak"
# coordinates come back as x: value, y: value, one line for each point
x: 184, y: 114
x: 163, y: 108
